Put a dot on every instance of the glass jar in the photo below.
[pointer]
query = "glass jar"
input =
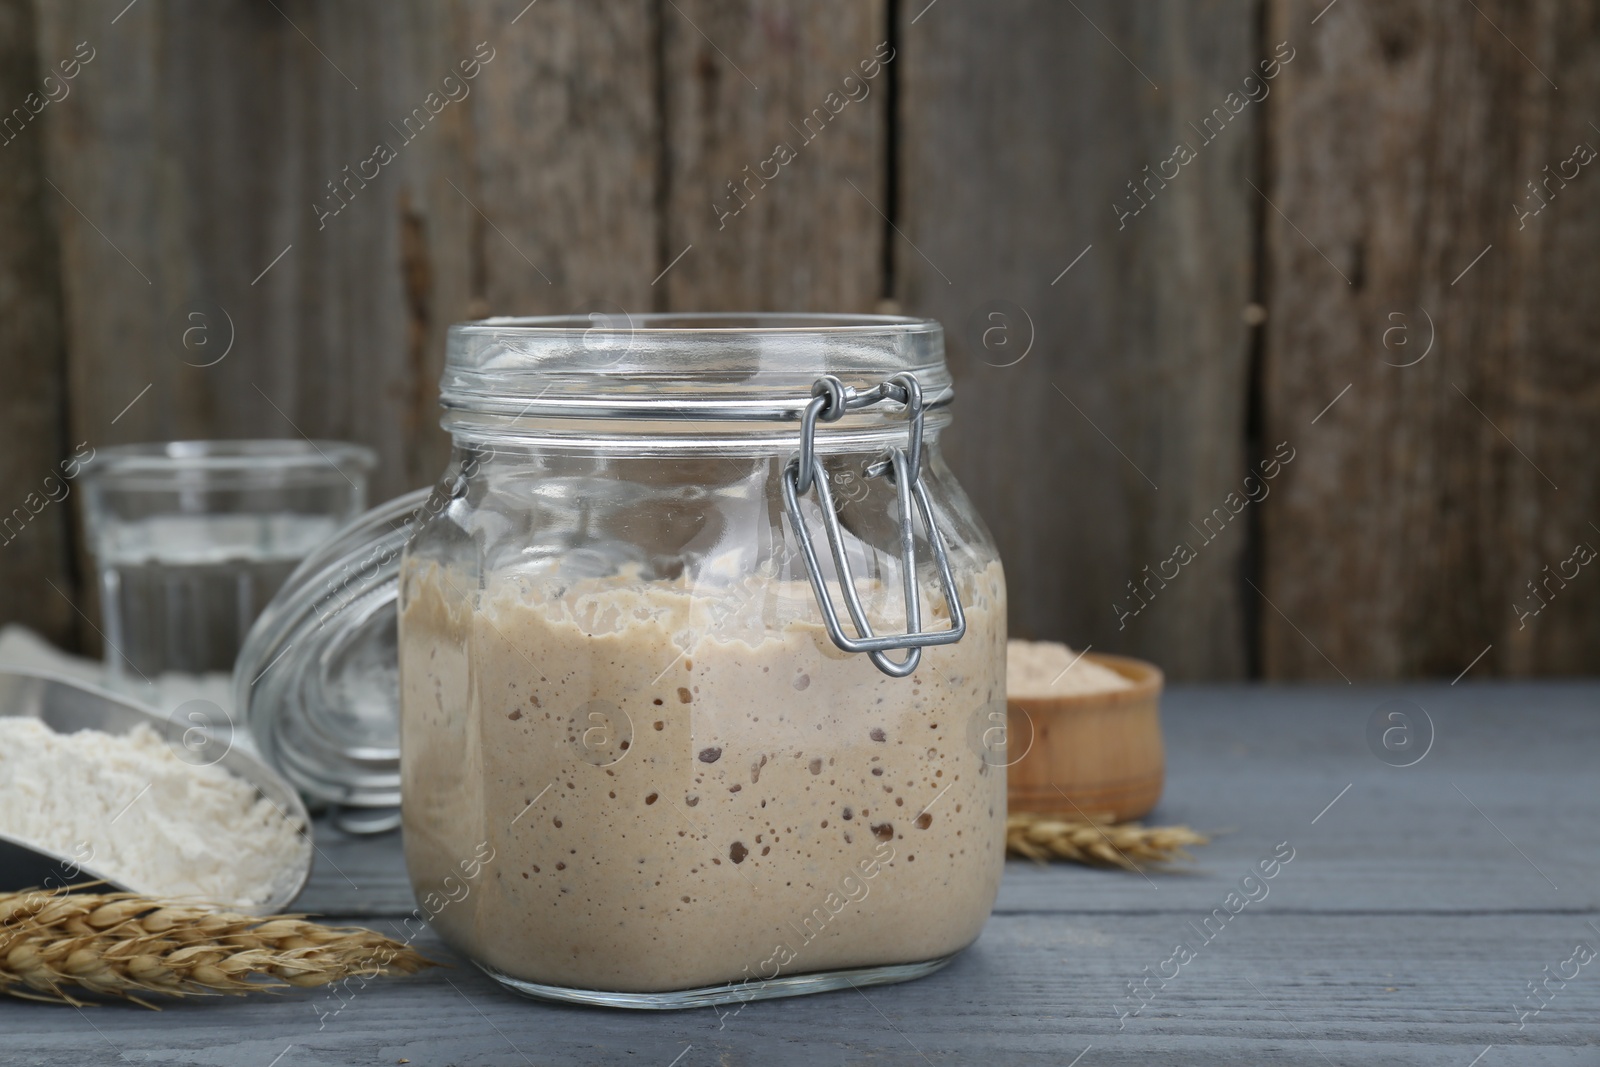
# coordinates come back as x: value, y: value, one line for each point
x: 654, y: 752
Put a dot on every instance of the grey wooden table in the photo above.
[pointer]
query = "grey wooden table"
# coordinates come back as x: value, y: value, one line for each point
x: 1420, y: 904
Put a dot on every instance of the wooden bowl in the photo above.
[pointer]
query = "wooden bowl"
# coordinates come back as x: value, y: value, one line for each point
x: 1101, y: 750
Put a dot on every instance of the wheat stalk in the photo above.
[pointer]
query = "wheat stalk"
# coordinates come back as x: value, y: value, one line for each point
x: 124, y: 945
x: 1096, y: 841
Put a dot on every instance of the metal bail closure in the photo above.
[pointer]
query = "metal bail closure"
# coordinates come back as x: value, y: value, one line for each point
x: 831, y: 398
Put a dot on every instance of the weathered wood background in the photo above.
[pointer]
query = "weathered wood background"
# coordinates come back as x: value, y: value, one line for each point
x: 1361, y: 236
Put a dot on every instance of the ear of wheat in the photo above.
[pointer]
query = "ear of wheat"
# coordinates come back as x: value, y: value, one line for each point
x: 54, y: 945
x: 1097, y: 842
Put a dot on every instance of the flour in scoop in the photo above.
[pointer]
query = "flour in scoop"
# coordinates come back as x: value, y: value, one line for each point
x: 128, y: 807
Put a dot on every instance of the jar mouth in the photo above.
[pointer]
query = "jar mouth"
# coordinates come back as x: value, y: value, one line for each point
x: 671, y: 366
x: 618, y: 321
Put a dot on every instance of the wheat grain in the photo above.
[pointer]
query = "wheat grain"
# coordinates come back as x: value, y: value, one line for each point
x: 1097, y: 842
x: 125, y: 945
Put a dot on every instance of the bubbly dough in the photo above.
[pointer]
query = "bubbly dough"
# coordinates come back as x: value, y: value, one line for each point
x: 679, y: 788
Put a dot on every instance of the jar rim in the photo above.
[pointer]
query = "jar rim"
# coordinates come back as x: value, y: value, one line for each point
x: 618, y: 321
x: 680, y: 367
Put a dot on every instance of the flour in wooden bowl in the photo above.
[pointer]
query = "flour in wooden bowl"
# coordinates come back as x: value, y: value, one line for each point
x: 1049, y: 668
x: 127, y: 807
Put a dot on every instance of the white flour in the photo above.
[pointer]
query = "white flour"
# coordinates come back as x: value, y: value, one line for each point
x: 153, y: 822
x: 1048, y: 668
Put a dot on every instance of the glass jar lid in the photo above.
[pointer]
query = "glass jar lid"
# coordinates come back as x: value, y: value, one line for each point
x: 318, y: 677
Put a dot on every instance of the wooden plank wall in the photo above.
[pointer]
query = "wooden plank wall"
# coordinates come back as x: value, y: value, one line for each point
x: 1175, y: 332
x: 210, y: 141
x: 34, y: 514
x: 805, y: 239
x: 1091, y: 453
x: 1444, y: 481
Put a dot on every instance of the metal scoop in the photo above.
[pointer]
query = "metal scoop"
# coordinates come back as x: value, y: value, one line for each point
x: 67, y: 706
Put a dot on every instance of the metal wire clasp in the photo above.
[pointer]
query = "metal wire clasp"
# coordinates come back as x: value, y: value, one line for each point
x: 830, y: 399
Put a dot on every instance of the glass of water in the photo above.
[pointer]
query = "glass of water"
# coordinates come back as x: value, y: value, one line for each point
x: 192, y: 538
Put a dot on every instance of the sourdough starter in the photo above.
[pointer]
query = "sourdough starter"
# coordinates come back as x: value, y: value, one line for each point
x: 677, y: 789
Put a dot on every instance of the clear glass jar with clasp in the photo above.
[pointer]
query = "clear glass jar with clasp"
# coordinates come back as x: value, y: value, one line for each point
x: 702, y: 650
